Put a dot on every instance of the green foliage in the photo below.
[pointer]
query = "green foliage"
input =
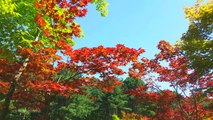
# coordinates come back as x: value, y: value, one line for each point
x: 78, y: 107
x: 146, y: 108
x: 118, y: 100
x: 131, y: 83
x: 66, y: 76
x: 20, y: 114
x: 115, y: 117
x: 75, y: 108
x: 18, y: 27
x: 101, y: 6
x: 197, y: 42
x: 8, y: 7
x: 81, y: 106
x: 108, y: 103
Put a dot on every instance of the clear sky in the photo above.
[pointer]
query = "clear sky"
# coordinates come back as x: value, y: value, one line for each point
x: 136, y: 23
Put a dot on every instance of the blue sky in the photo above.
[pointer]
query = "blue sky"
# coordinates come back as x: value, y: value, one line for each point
x: 139, y: 23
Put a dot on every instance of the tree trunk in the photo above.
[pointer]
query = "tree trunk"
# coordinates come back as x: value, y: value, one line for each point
x: 46, y: 110
x: 12, y: 88
x: 8, y: 98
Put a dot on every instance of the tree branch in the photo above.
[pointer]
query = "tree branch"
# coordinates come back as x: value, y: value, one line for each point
x: 13, y: 85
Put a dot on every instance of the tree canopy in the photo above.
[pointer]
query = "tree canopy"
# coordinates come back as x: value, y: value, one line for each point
x: 197, y: 41
x: 37, y: 83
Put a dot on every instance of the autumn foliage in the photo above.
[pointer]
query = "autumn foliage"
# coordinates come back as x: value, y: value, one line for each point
x: 34, y: 79
x: 100, y: 68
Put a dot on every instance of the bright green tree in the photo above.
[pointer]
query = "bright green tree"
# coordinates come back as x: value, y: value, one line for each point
x: 25, y: 23
x: 197, y: 41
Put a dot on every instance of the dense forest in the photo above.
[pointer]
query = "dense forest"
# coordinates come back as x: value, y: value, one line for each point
x: 43, y: 78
